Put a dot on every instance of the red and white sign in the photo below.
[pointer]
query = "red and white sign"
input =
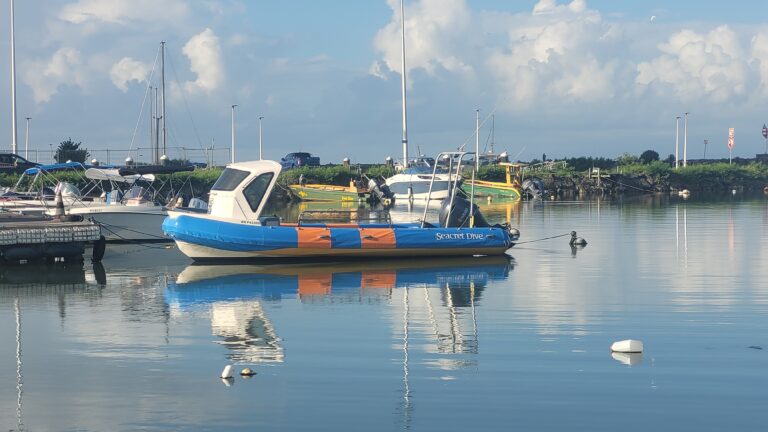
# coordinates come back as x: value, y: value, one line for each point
x: 731, y: 139
x: 765, y: 131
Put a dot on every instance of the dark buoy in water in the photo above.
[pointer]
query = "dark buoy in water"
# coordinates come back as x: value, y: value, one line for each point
x: 577, y: 241
x: 247, y: 372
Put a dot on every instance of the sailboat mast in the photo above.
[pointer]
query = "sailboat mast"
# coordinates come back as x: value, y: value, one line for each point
x: 14, y: 134
x: 402, y: 68
x: 493, y: 132
x: 162, y: 86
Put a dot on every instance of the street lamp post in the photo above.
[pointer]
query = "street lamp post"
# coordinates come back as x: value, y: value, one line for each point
x: 260, y: 137
x: 685, y: 142
x: 26, y: 141
x: 677, y: 141
x: 233, y: 134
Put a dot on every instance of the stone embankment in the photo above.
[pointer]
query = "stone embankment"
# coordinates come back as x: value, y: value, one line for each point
x: 633, y: 184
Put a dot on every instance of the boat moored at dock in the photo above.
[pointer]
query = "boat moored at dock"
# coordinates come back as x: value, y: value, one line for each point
x: 234, y: 229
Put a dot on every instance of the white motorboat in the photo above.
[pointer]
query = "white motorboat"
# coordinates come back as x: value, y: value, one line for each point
x: 413, y: 183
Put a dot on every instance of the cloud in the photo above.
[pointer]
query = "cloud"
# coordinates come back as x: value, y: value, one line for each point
x: 204, y: 54
x: 759, y: 57
x: 567, y: 52
x: 123, y: 12
x: 45, y: 77
x: 562, y: 51
x: 697, y: 66
x: 433, y: 28
x: 127, y: 70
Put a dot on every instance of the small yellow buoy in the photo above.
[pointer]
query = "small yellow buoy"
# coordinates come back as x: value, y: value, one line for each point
x: 247, y: 372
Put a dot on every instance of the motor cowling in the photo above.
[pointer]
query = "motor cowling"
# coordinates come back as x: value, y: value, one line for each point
x: 379, y: 191
x: 458, y: 215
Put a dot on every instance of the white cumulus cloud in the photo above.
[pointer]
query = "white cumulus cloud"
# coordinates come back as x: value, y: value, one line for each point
x: 127, y: 70
x: 204, y: 53
x: 557, y: 51
x: 123, y: 11
x: 695, y: 66
x: 433, y: 30
x: 46, y: 76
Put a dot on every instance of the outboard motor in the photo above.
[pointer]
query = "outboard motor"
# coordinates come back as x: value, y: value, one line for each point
x: 380, y: 192
x: 458, y: 215
x: 533, y: 187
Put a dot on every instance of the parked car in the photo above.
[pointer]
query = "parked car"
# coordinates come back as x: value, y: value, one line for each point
x: 13, y: 163
x: 299, y: 159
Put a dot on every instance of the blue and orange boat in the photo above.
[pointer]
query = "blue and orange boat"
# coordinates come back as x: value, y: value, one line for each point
x: 234, y: 229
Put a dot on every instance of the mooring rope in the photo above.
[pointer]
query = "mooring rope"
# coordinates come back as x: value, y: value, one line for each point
x: 545, y: 238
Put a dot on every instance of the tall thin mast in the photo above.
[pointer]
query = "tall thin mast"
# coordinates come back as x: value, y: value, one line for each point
x: 477, y: 139
x: 156, y: 158
x: 402, y: 68
x: 493, y: 131
x: 677, y: 141
x: 685, y: 141
x: 152, y: 120
x: 162, y: 95
x: 14, y: 135
x: 232, y: 152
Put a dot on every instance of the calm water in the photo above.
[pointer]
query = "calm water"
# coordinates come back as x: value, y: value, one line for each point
x: 474, y: 344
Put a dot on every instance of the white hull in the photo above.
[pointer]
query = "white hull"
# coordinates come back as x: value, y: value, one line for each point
x: 121, y: 223
x: 416, y: 186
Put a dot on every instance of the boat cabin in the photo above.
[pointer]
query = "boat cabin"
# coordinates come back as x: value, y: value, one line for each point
x: 242, y: 190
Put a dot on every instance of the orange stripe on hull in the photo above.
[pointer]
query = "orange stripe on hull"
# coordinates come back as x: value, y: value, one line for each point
x: 377, y: 238
x: 315, y: 238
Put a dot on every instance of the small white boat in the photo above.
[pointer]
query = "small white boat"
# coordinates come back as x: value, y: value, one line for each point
x: 413, y: 183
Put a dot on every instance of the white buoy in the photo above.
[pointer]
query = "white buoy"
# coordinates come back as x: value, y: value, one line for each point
x: 684, y: 193
x: 627, y: 346
x: 227, y: 372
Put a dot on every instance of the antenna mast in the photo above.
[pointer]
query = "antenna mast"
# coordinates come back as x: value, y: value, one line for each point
x: 162, y: 95
x: 14, y: 135
x: 402, y: 66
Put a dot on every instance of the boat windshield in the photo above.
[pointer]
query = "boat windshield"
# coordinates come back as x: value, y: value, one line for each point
x: 229, y: 179
x: 254, y: 192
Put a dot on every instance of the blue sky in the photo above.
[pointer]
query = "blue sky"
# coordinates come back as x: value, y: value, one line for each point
x: 565, y: 78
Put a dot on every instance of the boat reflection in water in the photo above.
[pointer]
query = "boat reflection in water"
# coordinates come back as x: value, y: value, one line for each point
x: 233, y: 294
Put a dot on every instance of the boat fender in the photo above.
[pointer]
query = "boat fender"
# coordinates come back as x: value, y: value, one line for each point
x: 577, y: 241
x: 59, y: 205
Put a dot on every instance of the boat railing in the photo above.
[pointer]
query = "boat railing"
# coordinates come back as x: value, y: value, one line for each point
x: 454, y: 158
x: 341, y: 217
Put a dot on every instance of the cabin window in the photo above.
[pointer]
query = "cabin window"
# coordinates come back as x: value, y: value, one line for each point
x: 229, y: 179
x: 254, y: 192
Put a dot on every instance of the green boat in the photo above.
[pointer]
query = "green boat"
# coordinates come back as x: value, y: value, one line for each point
x: 509, y: 190
x: 328, y: 193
